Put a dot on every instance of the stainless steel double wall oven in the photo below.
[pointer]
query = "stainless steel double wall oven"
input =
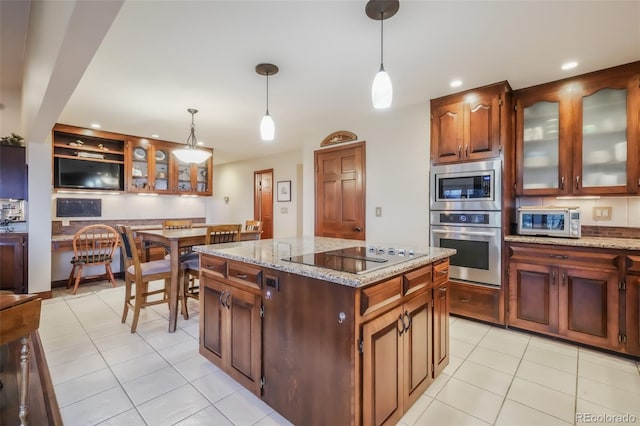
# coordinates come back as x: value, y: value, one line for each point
x: 466, y: 215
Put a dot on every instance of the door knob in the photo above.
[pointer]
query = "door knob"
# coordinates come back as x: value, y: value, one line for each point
x: 357, y: 229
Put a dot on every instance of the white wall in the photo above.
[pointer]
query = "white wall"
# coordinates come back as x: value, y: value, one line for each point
x: 10, y: 112
x: 235, y: 180
x: 397, y: 178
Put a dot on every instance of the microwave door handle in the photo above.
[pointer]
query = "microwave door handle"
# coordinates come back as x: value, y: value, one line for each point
x: 486, y: 234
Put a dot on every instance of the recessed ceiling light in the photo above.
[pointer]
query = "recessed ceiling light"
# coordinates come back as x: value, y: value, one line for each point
x: 200, y: 143
x: 456, y: 83
x: 155, y: 136
x: 569, y: 65
x: 95, y: 125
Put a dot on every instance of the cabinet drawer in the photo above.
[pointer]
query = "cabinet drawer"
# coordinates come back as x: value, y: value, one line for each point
x: 441, y: 272
x: 546, y: 255
x: 244, y: 274
x: 214, y: 266
x: 633, y: 264
x: 380, y: 295
x: 474, y: 302
x: 415, y: 280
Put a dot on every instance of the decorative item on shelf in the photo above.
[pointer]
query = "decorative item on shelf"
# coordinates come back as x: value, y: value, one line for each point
x: 13, y: 140
x: 267, y: 126
x: 183, y: 174
x: 136, y: 172
x: 139, y: 154
x: 340, y: 136
x: 91, y: 155
x: 161, y: 175
x: 160, y: 156
x: 381, y: 90
x: 191, y: 154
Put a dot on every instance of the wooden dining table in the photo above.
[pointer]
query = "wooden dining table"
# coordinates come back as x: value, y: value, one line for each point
x: 176, y: 240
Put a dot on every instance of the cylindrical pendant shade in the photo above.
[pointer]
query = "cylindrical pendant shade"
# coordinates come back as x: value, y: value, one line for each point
x: 381, y: 90
x: 267, y: 128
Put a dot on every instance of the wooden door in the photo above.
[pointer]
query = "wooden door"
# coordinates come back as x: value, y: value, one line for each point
x: 482, y: 132
x: 418, y: 347
x: 447, y: 132
x: 382, y: 369
x: 263, y: 201
x: 340, y: 192
x: 212, y: 321
x: 533, y: 297
x: 245, y: 338
x: 12, y: 270
x: 440, y: 328
x: 632, y: 330
x: 589, y: 304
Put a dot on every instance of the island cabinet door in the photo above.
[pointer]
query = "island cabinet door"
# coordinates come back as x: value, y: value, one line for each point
x: 440, y: 328
x: 632, y: 332
x: 245, y: 338
x: 212, y: 321
x: 382, y: 368
x: 418, y: 347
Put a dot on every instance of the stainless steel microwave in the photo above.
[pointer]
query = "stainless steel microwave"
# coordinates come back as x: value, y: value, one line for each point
x: 467, y: 186
x: 549, y: 221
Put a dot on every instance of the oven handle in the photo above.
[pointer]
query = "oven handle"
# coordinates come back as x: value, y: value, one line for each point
x: 486, y: 234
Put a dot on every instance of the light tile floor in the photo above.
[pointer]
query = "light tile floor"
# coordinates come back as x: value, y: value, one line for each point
x: 105, y: 375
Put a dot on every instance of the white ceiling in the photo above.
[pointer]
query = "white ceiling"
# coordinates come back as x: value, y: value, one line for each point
x: 161, y: 57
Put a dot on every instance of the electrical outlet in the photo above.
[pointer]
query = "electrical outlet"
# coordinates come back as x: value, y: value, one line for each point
x: 378, y: 211
x: 602, y: 213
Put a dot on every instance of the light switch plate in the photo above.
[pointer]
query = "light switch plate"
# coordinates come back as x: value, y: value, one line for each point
x: 284, y: 210
x: 602, y: 213
x: 378, y: 211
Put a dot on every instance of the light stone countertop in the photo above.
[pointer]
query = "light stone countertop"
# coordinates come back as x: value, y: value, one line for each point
x: 593, y: 242
x: 269, y: 254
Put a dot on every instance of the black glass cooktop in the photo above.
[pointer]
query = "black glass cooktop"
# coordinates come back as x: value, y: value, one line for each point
x: 356, y: 260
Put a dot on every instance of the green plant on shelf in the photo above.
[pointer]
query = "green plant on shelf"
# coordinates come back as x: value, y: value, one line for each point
x: 13, y: 140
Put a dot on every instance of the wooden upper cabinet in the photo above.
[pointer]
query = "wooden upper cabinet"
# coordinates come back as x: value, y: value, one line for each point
x: 13, y: 172
x: 150, y: 163
x: 579, y: 136
x: 470, y: 125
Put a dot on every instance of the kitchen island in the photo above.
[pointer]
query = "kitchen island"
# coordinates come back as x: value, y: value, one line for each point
x: 324, y: 346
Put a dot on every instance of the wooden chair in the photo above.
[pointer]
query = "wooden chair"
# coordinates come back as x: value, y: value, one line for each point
x: 253, y: 225
x: 140, y: 274
x: 215, y: 234
x: 177, y: 224
x: 93, y: 245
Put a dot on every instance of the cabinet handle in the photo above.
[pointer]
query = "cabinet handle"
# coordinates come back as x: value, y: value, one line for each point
x: 563, y: 278
x: 226, y: 300
x: 559, y: 256
x: 463, y: 300
x: 562, y: 182
x: 400, y: 321
x: 466, y: 151
x: 459, y: 151
x: 242, y: 276
x: 220, y: 298
x: 408, y: 324
x: 444, y: 290
x: 577, y: 182
x: 553, y: 277
x: 444, y: 271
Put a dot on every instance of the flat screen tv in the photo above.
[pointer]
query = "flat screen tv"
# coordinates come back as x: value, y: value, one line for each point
x: 86, y: 174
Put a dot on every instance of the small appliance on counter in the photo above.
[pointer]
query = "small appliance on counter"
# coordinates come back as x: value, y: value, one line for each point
x: 549, y: 221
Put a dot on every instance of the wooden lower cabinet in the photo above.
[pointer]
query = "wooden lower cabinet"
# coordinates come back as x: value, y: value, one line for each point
x: 231, y: 331
x: 13, y: 262
x: 397, y: 362
x: 632, y: 332
x: 567, y: 296
x: 477, y: 302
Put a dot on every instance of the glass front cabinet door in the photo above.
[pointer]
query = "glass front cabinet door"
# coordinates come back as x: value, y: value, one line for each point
x: 540, y: 130
x: 194, y: 179
x: 150, y: 166
x: 580, y: 136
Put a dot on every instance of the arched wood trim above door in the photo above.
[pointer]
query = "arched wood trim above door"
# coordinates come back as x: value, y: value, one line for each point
x: 341, y: 136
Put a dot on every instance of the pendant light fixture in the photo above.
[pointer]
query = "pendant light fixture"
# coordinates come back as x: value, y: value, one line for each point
x: 267, y: 127
x: 191, y: 153
x: 381, y: 89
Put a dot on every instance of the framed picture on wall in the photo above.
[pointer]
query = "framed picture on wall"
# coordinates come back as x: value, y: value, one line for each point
x: 284, y: 190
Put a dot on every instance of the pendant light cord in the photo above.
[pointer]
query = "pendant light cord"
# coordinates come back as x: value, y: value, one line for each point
x: 267, y: 93
x: 381, y: 41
